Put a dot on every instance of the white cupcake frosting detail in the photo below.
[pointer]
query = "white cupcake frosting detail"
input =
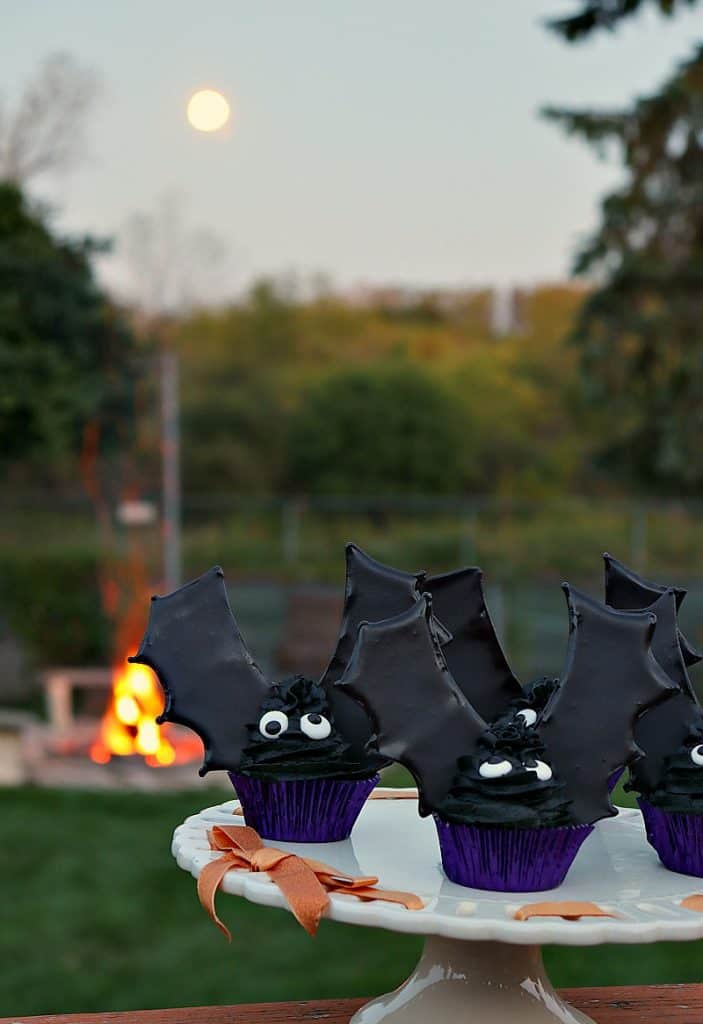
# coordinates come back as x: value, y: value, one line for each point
x: 273, y: 718
x: 494, y: 769
x: 528, y: 715
x: 541, y: 770
x: 315, y: 727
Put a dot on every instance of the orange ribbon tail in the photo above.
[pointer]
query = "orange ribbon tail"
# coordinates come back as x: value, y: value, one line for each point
x: 304, y: 882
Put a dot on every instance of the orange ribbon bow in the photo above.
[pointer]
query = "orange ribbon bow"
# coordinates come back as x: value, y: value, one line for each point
x: 305, y: 883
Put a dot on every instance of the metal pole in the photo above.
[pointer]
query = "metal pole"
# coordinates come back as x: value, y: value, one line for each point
x: 171, y: 471
x: 638, y: 537
x: 290, y: 530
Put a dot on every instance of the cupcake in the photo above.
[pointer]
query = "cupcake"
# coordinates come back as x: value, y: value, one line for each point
x: 505, y: 823
x: 476, y: 660
x: 673, y: 809
x: 300, y: 753
x: 298, y: 779
x: 668, y: 776
x: 512, y: 801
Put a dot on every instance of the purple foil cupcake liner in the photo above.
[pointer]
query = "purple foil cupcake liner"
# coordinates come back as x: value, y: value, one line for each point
x: 615, y: 778
x: 508, y: 859
x: 302, y: 810
x: 677, y: 838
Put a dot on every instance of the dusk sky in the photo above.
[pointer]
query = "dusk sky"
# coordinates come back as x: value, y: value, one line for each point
x: 374, y: 141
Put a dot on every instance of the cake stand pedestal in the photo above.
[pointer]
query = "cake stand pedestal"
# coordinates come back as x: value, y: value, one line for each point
x: 480, y: 965
x: 481, y: 982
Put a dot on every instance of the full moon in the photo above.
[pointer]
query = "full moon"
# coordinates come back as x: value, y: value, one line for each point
x: 208, y: 110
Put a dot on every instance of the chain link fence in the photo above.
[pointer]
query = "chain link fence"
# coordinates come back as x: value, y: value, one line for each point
x: 273, y: 549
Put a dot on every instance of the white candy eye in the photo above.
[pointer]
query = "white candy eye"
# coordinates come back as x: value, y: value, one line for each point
x: 697, y: 754
x: 528, y: 715
x: 273, y: 724
x: 541, y: 770
x: 317, y: 727
x: 494, y: 769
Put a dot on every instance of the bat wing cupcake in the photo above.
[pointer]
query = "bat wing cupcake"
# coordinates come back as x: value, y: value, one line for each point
x: 669, y: 776
x: 512, y: 802
x: 298, y: 751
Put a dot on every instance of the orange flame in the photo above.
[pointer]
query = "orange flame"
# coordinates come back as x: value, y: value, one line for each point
x: 129, y: 724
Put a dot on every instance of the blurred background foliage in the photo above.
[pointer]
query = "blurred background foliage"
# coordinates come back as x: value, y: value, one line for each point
x: 272, y: 387
x: 67, y: 357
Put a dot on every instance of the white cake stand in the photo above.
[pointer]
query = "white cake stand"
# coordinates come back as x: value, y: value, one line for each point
x: 479, y: 965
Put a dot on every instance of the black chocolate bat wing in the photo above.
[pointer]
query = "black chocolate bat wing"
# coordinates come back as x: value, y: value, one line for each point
x: 211, y: 682
x: 627, y: 591
x: 373, y: 592
x: 473, y: 655
x: 663, y: 729
x: 421, y: 718
x: 611, y: 677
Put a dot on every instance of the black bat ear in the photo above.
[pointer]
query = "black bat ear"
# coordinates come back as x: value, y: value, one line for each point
x: 610, y: 678
x: 663, y: 729
x: 691, y: 654
x: 211, y: 682
x: 421, y: 718
x: 627, y: 591
x: 666, y: 646
x: 474, y: 655
x: 373, y: 591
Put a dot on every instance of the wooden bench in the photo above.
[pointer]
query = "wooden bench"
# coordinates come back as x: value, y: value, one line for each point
x: 649, y: 1004
x: 59, y: 685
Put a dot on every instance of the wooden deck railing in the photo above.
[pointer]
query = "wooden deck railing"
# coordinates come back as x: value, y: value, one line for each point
x: 649, y: 1004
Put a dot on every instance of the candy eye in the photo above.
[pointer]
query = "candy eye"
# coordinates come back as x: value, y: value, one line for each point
x: 494, y: 769
x: 541, y: 770
x: 528, y: 715
x: 697, y: 754
x: 273, y: 724
x: 317, y: 727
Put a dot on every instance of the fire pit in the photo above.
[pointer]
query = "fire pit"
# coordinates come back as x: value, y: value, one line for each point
x: 125, y: 748
x: 129, y: 727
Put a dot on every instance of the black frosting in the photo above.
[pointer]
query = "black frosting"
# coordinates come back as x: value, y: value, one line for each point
x: 680, y: 786
x: 292, y: 754
x: 536, y: 695
x: 516, y: 800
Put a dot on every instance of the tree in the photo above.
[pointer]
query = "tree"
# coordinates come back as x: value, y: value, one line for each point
x: 66, y: 355
x: 44, y: 130
x: 171, y: 265
x: 236, y: 391
x: 376, y: 431
x: 598, y: 14
x: 640, y: 332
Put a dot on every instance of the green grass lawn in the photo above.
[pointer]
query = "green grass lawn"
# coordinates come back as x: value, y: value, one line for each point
x: 96, y: 916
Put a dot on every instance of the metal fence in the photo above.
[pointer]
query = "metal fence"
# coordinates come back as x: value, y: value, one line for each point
x: 270, y: 547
